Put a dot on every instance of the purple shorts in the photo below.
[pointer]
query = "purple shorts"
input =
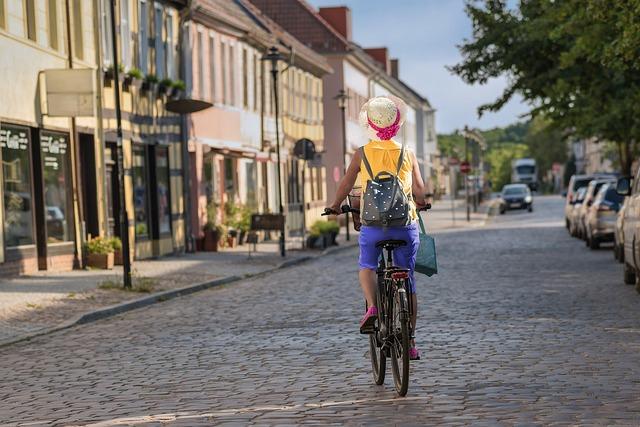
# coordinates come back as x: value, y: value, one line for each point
x: 404, y: 256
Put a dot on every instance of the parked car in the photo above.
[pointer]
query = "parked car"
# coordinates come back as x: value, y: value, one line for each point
x: 516, y: 196
x: 575, y: 183
x: 631, y: 228
x: 601, y: 216
x: 589, y: 197
x: 618, y: 235
x: 576, y: 205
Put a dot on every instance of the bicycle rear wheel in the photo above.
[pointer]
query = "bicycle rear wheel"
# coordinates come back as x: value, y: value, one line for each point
x: 376, y: 354
x: 400, y: 348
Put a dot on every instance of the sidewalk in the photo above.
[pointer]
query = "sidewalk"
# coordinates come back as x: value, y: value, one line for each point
x: 29, y: 304
x: 36, y: 303
x: 445, y: 215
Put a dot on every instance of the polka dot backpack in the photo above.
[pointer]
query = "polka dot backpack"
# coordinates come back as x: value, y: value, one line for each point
x: 384, y: 203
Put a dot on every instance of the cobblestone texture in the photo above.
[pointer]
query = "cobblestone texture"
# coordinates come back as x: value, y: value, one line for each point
x: 523, y: 326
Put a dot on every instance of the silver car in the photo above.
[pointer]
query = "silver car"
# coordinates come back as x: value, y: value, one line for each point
x: 589, y: 197
x: 600, y: 221
x: 572, y: 215
x: 618, y: 233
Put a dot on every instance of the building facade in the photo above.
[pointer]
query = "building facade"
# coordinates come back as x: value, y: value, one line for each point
x: 361, y: 73
x: 43, y: 182
x: 149, y: 56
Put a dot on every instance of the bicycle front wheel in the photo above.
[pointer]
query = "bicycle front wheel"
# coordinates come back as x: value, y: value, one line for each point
x: 400, y: 347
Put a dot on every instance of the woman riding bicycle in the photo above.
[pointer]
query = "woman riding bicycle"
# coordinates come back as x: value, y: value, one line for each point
x: 382, y: 118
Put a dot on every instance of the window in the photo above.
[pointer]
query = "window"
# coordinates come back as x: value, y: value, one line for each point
x: 107, y: 35
x: 159, y: 45
x: 125, y: 33
x: 30, y: 18
x: 52, y: 12
x: 232, y: 86
x: 251, y: 180
x: 245, y: 79
x: 255, y: 82
x: 78, y: 45
x: 229, y: 177
x: 169, y: 47
x: 18, y: 200
x: 212, y: 68
x: 140, y: 196
x: 211, y: 178
x: 223, y: 61
x: 200, y: 48
x: 57, y: 180
x: 143, y: 35
x: 2, y: 15
x: 162, y: 184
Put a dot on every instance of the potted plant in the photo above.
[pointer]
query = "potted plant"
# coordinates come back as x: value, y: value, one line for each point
x: 212, y: 231
x: 332, y: 229
x: 109, y: 74
x: 314, y: 235
x: 165, y: 87
x: 212, y: 235
x: 99, y: 253
x: 178, y: 89
x: 150, y: 83
x: 116, y: 244
x: 133, y: 78
x: 244, y: 223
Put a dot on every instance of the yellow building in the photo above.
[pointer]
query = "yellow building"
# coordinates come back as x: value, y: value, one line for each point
x: 48, y: 158
x: 152, y: 140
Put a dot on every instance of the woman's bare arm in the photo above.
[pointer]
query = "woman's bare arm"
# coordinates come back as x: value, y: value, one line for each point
x: 347, y: 181
x: 418, y: 188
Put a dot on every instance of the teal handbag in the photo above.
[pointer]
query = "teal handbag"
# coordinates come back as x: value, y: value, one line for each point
x: 426, y: 262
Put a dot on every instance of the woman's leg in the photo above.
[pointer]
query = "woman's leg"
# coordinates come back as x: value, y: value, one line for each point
x: 368, y: 282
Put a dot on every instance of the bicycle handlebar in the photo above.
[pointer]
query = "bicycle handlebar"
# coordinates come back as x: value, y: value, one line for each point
x: 346, y: 209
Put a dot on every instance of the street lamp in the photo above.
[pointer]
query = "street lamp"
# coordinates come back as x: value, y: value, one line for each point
x: 342, y: 98
x: 273, y: 57
x: 124, y: 214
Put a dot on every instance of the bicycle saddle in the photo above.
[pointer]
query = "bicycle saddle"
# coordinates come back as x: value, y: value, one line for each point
x: 390, y: 244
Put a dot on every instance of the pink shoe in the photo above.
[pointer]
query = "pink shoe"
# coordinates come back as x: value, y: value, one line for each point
x: 368, y: 320
x: 414, y: 354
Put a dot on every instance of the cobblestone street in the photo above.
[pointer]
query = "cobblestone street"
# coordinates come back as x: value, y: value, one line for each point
x: 523, y: 325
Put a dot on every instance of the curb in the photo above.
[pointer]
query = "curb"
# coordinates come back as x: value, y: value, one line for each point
x: 109, y: 311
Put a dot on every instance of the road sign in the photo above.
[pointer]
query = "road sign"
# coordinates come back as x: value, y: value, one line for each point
x: 465, y: 167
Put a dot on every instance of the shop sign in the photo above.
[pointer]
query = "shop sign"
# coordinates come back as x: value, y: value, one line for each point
x: 70, y: 92
x: 14, y: 139
x: 53, y: 146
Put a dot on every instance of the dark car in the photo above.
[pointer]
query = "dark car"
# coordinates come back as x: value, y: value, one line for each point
x: 516, y: 196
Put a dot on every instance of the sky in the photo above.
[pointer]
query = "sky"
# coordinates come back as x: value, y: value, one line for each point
x: 423, y: 35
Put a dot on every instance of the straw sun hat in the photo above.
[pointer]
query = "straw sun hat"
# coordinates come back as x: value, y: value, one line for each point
x: 383, y: 116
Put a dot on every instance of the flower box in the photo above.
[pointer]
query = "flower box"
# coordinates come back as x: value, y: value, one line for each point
x: 101, y: 261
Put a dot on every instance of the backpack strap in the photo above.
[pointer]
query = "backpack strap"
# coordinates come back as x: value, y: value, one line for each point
x: 400, y: 160
x: 366, y: 162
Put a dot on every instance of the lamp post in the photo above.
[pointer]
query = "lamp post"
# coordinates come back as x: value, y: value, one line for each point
x: 342, y: 98
x: 124, y: 214
x: 273, y: 57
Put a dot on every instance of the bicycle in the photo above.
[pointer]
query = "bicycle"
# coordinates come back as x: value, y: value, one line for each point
x: 390, y: 336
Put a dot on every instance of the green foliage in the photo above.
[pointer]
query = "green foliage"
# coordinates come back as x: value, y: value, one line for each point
x: 179, y: 84
x: 151, y: 78
x: 166, y: 82
x: 135, y: 73
x: 500, y: 158
x: 575, y: 61
x: 99, y: 245
x: 116, y: 243
x: 237, y: 216
x: 321, y: 227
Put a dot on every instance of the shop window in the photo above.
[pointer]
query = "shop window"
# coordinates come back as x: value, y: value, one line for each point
x: 251, y: 178
x: 140, y: 195
x: 18, y: 200
x: 162, y: 184
x: 211, y: 178
x: 57, y: 181
x: 230, y: 177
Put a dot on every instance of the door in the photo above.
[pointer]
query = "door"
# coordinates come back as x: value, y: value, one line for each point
x: 112, y: 196
x: 89, y: 185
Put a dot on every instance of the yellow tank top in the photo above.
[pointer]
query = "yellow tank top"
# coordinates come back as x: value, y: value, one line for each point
x: 384, y: 156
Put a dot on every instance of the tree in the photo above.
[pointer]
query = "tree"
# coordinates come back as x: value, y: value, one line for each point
x: 574, y: 61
